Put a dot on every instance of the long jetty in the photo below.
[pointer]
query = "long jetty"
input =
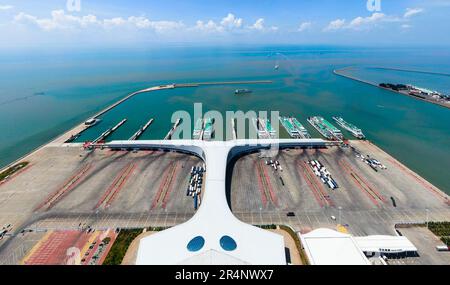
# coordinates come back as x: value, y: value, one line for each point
x: 80, y: 127
x: 172, y: 130
x: 233, y: 129
x: 108, y: 132
x: 339, y: 72
x: 141, y: 130
x: 411, y: 70
x: 222, y: 83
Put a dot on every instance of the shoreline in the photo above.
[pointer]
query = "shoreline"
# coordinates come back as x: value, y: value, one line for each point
x: 80, y: 127
x: 339, y: 73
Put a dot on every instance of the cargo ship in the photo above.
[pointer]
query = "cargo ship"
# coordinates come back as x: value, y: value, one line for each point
x: 325, y: 128
x: 198, y: 128
x: 355, y: 131
x: 242, y: 91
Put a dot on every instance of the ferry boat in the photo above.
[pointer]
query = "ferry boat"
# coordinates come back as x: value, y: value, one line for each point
x: 287, y: 124
x: 260, y: 128
x: 355, y: 131
x: 325, y: 128
x: 198, y: 128
x: 208, y: 129
x: 302, y: 131
x: 92, y: 122
x: 242, y: 91
x: 272, y: 131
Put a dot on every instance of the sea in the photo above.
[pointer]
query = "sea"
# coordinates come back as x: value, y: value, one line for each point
x: 44, y: 93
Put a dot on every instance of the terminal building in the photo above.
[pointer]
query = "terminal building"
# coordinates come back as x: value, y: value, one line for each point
x: 215, y: 236
x: 328, y: 247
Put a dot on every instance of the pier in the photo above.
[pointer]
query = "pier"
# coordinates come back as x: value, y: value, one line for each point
x: 172, y: 130
x: 141, y: 130
x: 339, y: 72
x: 233, y: 129
x: 66, y: 137
x: 108, y: 132
x: 222, y: 83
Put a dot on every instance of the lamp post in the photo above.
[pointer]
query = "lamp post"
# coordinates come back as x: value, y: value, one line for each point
x: 260, y: 215
x: 340, y: 221
x: 426, y: 221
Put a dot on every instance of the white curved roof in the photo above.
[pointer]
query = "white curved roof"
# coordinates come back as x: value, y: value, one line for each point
x: 328, y: 247
x: 214, y: 218
x: 375, y: 243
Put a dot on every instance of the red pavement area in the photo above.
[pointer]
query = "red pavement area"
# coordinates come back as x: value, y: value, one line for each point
x: 91, y: 252
x: 53, y: 251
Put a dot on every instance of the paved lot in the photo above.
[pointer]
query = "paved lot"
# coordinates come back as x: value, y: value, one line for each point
x: 426, y: 243
x: 362, y: 202
x: 66, y: 186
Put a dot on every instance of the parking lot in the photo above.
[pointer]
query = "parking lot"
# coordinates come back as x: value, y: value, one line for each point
x: 65, y: 186
x: 363, y: 202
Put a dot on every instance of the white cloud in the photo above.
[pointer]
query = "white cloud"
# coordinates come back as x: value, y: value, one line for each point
x: 58, y: 20
x: 230, y: 22
x: 209, y: 26
x: 304, y: 26
x: 6, y: 7
x: 227, y: 23
x: 369, y: 22
x: 360, y: 22
x: 114, y: 22
x: 258, y: 25
x: 335, y: 25
x: 410, y: 12
x: 274, y: 28
x: 406, y: 26
x: 61, y: 21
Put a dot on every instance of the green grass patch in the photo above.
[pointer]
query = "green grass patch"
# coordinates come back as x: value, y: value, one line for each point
x: 446, y: 240
x: 13, y: 169
x: 120, y: 246
x: 440, y: 229
x: 267, y: 227
x: 122, y: 243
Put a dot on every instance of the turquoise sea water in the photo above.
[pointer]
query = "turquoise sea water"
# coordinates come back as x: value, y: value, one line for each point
x: 43, y: 94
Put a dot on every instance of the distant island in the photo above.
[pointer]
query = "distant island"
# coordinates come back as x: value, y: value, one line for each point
x: 404, y: 89
x: 418, y: 92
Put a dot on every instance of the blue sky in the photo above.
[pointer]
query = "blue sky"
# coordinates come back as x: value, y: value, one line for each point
x: 27, y: 23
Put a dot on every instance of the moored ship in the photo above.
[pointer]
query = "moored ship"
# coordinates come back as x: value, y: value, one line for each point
x: 325, y: 128
x: 354, y: 130
x: 242, y: 91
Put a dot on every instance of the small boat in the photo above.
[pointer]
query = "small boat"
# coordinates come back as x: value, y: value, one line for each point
x: 242, y: 91
x: 92, y: 122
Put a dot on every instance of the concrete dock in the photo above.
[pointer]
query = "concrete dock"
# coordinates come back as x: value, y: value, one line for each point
x: 108, y: 132
x: 67, y: 186
x: 141, y: 130
x: 172, y: 130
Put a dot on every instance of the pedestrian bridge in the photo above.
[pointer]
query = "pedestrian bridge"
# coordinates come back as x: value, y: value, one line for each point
x: 214, y: 235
